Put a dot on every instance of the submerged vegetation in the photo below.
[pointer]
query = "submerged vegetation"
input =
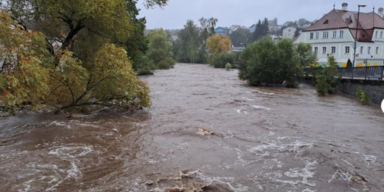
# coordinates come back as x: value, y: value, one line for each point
x: 326, y: 79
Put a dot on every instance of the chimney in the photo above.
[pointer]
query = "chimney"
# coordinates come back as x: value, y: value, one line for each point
x: 380, y: 13
x: 344, y: 6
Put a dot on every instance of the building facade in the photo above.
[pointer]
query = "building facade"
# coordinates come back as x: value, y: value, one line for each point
x: 336, y: 32
x: 223, y: 31
x: 289, y: 32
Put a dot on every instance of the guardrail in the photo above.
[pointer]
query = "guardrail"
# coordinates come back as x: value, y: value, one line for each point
x: 360, y: 73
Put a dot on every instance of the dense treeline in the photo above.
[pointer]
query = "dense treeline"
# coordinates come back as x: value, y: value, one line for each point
x: 72, y: 54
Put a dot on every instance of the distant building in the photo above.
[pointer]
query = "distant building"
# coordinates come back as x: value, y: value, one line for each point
x: 237, y: 27
x: 335, y: 34
x: 223, y: 31
x: 237, y: 49
x: 252, y: 28
x: 289, y: 32
x: 275, y: 38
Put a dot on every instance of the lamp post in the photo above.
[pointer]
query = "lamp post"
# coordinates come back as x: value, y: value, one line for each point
x: 357, y: 28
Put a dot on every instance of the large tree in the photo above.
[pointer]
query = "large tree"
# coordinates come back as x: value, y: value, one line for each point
x: 219, y: 44
x: 240, y: 37
x: 262, y: 29
x: 84, y: 43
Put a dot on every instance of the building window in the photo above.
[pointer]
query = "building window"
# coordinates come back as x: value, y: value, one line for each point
x: 376, y: 35
x: 311, y: 36
x: 369, y: 50
x: 333, y: 49
x: 325, y: 35
x: 341, y: 34
x: 324, y: 50
x: 381, y: 34
x: 317, y: 35
x: 361, y: 50
x: 347, y: 49
x: 377, y: 50
x: 316, y: 50
x: 334, y: 34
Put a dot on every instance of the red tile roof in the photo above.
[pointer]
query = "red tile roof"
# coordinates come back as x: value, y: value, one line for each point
x: 340, y: 19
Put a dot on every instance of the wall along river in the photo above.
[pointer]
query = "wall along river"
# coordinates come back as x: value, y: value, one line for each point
x: 207, y: 131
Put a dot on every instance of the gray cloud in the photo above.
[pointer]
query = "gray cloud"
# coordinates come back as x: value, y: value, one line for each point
x: 244, y: 12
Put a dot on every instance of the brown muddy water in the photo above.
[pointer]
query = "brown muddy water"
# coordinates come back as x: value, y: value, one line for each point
x: 207, y: 131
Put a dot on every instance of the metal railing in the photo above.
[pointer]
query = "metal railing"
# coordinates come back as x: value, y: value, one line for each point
x: 360, y: 73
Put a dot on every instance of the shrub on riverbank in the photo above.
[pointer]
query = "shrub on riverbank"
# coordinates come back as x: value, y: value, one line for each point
x: 325, y: 79
x: 266, y: 62
x: 362, y: 96
x: 220, y: 60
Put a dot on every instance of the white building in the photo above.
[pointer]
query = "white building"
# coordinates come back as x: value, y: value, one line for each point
x: 335, y: 34
x: 289, y: 32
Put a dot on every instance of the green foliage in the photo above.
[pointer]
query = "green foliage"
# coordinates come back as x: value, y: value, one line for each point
x: 160, y: 49
x: 326, y: 80
x: 90, y: 66
x: 349, y: 63
x: 166, y: 64
x: 220, y: 60
x: 363, y: 97
x: 240, y: 37
x: 266, y: 62
x: 262, y: 29
x: 146, y: 66
x: 228, y: 67
x: 190, y: 47
x: 137, y: 44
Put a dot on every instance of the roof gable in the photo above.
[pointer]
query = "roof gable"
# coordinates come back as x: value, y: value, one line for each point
x: 332, y: 20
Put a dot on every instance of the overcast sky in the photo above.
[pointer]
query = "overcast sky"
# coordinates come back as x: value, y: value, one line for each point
x: 244, y: 12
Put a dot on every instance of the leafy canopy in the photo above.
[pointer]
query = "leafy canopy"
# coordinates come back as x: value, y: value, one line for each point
x: 219, y: 44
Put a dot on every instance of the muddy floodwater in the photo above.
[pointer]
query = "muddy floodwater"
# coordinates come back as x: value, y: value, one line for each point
x: 207, y: 131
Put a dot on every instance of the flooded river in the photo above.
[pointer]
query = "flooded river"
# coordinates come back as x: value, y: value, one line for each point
x: 207, y: 131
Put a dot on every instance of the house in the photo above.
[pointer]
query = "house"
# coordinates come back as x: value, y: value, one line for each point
x: 275, y: 38
x: 237, y: 49
x: 237, y: 27
x: 289, y: 32
x: 223, y: 31
x: 335, y: 34
x: 252, y: 28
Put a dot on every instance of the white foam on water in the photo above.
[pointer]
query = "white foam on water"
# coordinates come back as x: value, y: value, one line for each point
x: 261, y: 107
x: 60, y: 124
x: 265, y: 93
x: 304, y: 173
x: 73, y: 152
x: 369, y: 159
x: 224, y: 180
x: 247, y: 99
x: 27, y: 185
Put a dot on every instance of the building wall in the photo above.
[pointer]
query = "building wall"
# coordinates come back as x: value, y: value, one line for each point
x: 340, y: 42
x: 373, y: 89
x: 289, y: 32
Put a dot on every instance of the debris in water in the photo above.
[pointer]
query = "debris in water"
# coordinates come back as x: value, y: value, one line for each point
x: 204, y: 132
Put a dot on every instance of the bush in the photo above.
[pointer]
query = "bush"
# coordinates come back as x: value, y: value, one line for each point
x: 266, y: 62
x: 325, y: 80
x: 146, y: 66
x: 228, y: 67
x: 166, y: 63
x: 363, y: 97
x: 220, y: 60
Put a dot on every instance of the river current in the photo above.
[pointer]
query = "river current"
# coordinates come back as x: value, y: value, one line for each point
x: 207, y: 131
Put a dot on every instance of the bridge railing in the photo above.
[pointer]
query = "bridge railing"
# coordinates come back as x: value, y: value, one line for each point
x: 362, y: 73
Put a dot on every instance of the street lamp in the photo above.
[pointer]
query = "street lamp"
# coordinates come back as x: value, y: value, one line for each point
x: 357, y: 28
